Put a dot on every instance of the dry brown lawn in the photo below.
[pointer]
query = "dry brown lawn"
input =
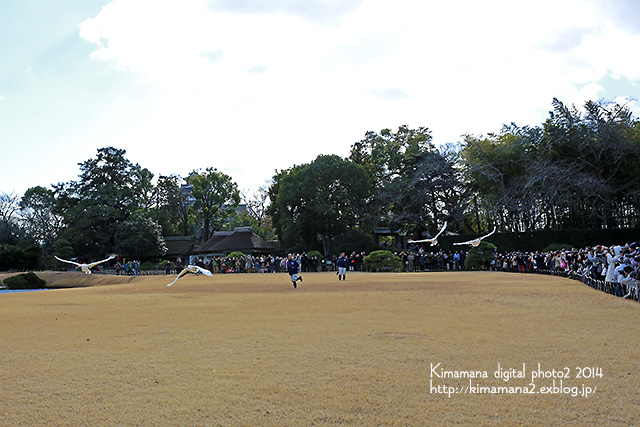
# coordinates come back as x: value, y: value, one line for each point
x: 249, y: 350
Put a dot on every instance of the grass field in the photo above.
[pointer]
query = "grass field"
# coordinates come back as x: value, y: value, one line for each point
x: 249, y: 350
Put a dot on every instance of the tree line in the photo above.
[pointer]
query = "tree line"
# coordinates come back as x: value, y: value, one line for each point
x: 578, y: 169
x: 115, y: 206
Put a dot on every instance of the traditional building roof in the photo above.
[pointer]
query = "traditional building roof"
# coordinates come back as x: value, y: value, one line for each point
x: 241, y: 239
x: 210, y: 245
x: 180, y: 246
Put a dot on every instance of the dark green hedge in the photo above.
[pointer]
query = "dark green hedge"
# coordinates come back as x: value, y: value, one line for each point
x: 25, y: 281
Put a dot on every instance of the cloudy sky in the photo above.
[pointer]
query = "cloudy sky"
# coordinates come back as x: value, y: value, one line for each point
x: 251, y: 86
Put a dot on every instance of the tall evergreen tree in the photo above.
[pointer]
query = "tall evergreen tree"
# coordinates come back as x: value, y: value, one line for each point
x: 105, y: 196
x: 216, y: 197
x: 317, y: 202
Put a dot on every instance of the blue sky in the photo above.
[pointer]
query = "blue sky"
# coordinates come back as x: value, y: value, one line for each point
x: 251, y: 86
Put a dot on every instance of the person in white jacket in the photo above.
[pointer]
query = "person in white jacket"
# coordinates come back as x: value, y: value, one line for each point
x: 613, y: 256
x: 627, y: 279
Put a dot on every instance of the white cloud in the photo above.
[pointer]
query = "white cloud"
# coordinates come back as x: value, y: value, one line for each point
x: 251, y: 86
x: 324, y: 11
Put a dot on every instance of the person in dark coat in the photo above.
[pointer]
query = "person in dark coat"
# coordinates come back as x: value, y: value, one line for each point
x: 292, y: 268
x: 342, y: 263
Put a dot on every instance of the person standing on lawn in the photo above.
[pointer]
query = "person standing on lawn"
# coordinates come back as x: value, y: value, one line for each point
x: 292, y: 268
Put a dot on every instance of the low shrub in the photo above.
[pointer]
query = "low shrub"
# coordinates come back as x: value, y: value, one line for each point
x: 25, y: 281
x: 479, y: 258
x: 382, y: 261
x: 147, y: 265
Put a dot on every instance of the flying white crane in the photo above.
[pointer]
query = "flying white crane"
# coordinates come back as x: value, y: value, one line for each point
x: 476, y: 242
x: 433, y: 240
x: 86, y: 268
x: 192, y: 269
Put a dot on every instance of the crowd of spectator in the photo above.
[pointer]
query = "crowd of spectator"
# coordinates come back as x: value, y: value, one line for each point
x: 129, y: 268
x: 423, y: 260
x: 412, y: 260
x: 246, y: 264
x: 272, y: 264
x: 612, y: 269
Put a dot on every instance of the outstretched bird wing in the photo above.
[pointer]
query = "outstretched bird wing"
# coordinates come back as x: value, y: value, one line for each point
x: 484, y: 237
x: 68, y: 262
x: 432, y: 240
x: 202, y: 271
x: 420, y: 241
x: 93, y: 264
x: 441, y: 230
x: 182, y: 273
x: 476, y: 241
